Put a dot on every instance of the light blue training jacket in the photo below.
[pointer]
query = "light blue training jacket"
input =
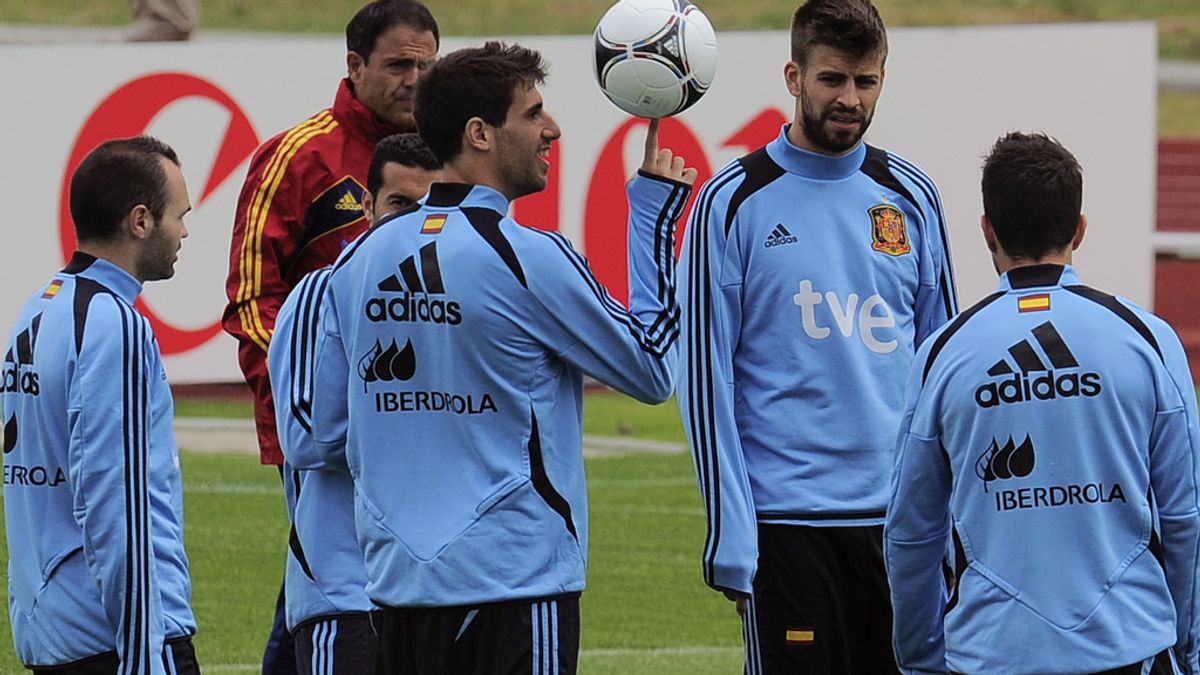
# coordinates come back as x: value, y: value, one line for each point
x: 1051, y: 433
x: 451, y: 374
x: 93, y: 498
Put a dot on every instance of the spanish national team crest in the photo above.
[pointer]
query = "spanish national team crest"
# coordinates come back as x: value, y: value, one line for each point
x: 888, y: 233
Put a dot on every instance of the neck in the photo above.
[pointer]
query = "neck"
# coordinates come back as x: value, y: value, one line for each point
x: 1004, y: 262
x: 473, y: 171
x: 121, y: 256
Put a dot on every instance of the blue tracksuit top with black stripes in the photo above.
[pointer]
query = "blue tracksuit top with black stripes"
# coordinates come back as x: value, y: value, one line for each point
x: 93, y: 498
x: 452, y: 371
x: 1051, y: 430
x: 324, y: 576
x: 807, y: 283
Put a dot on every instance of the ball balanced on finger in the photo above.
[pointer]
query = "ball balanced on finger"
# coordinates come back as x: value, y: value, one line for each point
x: 654, y: 58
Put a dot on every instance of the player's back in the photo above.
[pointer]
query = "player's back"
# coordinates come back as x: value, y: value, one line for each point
x: 1050, y: 394
x: 464, y: 434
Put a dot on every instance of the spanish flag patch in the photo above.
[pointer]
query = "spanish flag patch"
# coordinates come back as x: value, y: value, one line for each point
x: 800, y: 636
x: 1033, y: 303
x: 53, y: 289
x: 433, y: 224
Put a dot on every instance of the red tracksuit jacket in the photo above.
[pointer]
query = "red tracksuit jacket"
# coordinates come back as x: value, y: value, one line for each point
x: 300, y: 205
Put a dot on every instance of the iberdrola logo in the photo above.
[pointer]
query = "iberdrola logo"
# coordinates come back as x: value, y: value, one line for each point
x: 1008, y: 461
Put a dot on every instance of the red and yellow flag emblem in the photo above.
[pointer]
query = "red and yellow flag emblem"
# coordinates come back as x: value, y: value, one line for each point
x: 53, y: 289
x: 1033, y: 303
x: 800, y: 636
x: 888, y: 233
x: 433, y: 224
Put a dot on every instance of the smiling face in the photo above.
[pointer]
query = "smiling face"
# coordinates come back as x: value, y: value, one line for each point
x: 160, y: 249
x: 386, y: 79
x: 523, y: 144
x: 835, y: 95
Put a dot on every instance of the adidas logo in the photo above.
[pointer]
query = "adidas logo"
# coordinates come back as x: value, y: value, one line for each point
x: 779, y: 236
x: 17, y: 378
x: 348, y: 203
x: 1007, y: 461
x: 414, y: 287
x: 1036, y: 381
x: 386, y: 365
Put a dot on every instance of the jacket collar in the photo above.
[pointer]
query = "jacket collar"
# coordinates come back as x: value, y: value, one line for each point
x: 461, y: 195
x: 812, y: 164
x: 106, y: 274
x: 357, y: 117
x: 1036, y: 276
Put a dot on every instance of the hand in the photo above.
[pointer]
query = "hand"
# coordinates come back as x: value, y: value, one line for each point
x: 741, y: 601
x: 663, y: 162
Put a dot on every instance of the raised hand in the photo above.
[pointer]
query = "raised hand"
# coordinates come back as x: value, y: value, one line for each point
x: 662, y: 162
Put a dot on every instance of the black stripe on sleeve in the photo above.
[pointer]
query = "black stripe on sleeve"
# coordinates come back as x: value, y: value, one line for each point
x: 305, y: 326
x: 656, y: 343
x: 929, y: 190
x: 760, y: 170
x: 878, y: 169
x: 701, y: 419
x: 135, y: 337
x: 487, y: 223
x: 1113, y: 305
x: 958, y: 322
x: 85, y: 290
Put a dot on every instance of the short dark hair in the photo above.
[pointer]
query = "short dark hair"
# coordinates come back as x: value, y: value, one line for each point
x: 1032, y: 194
x: 473, y: 82
x: 404, y: 149
x: 851, y: 26
x: 378, y: 17
x: 115, y: 177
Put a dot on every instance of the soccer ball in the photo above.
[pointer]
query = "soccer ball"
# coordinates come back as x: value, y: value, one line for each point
x: 654, y: 58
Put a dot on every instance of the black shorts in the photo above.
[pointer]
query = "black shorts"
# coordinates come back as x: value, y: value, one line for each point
x: 336, y: 645
x: 821, y: 603
x: 179, y: 658
x: 524, y: 637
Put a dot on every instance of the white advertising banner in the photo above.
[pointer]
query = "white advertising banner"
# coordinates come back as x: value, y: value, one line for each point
x: 948, y: 94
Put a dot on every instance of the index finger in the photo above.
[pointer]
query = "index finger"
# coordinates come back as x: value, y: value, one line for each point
x: 651, y: 142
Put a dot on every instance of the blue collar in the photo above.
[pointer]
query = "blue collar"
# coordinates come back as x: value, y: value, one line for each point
x: 1038, y: 276
x: 461, y: 195
x: 812, y: 164
x: 115, y: 279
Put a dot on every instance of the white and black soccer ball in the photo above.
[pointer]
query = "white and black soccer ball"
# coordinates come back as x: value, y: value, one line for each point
x: 654, y: 58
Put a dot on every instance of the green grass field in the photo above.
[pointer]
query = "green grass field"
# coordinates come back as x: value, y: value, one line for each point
x: 646, y: 609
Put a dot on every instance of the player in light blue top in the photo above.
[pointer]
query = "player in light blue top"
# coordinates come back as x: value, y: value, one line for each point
x: 812, y: 269
x: 1051, y: 433
x: 93, y: 499
x: 327, y: 603
x: 451, y: 374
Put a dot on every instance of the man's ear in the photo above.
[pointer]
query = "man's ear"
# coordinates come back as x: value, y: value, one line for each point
x: 368, y: 204
x: 1080, y: 231
x: 478, y: 135
x: 354, y: 66
x: 138, y: 222
x: 792, y: 75
x: 989, y: 235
